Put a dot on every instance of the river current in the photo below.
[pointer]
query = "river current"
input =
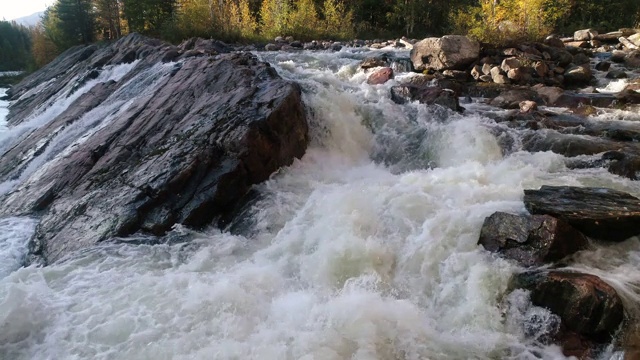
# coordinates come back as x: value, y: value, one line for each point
x: 366, y: 248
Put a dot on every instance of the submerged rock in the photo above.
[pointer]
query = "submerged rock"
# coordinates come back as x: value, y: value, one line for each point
x: 184, y: 152
x: 531, y: 240
x: 600, y: 213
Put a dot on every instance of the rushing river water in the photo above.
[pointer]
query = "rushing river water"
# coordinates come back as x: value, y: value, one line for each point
x: 366, y: 248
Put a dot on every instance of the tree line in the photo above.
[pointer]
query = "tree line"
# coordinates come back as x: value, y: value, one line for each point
x: 71, y: 22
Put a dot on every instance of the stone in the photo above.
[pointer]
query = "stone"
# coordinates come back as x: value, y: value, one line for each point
x: 450, y: 52
x: 578, y: 75
x: 486, y: 68
x: 511, y: 99
x: 272, y: 47
x: 541, y: 68
x: 585, y: 35
x: 488, y: 78
x: 380, y: 76
x: 600, y: 213
x: 585, y: 303
x: 530, y: 240
x: 528, y: 106
x: 500, y: 79
x: 578, y: 44
x: 554, y: 41
x: 580, y: 59
x: 431, y: 95
x: 211, y: 127
x: 616, y: 74
x: 632, y: 59
x: 380, y: 61
x: 635, y: 39
x: 456, y: 74
x: 603, y: 66
x: 476, y: 72
x: 510, y: 63
x: 516, y: 74
x: 617, y: 56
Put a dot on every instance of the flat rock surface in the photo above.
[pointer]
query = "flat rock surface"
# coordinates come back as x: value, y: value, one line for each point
x: 599, y: 213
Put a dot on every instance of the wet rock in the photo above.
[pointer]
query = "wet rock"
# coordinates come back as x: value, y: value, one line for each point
x: 512, y: 98
x: 603, y: 66
x: 185, y: 154
x: 528, y: 106
x: 380, y: 61
x: 272, y: 47
x: 601, y: 213
x: 380, y: 76
x: 585, y: 303
x: 426, y: 95
x: 476, y: 72
x: 616, y: 74
x: 621, y: 164
x: 450, y: 52
x: 617, y: 56
x: 530, y: 240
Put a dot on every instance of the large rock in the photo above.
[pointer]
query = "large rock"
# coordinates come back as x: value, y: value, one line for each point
x: 380, y: 76
x: 450, y: 52
x: 531, y: 240
x: 511, y: 99
x: 586, y: 305
x: 192, y: 140
x: 578, y: 75
x: 600, y: 213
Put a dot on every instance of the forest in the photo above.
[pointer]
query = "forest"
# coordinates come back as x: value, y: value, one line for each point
x: 71, y: 22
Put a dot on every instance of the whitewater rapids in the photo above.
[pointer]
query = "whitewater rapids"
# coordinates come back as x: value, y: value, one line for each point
x: 366, y: 248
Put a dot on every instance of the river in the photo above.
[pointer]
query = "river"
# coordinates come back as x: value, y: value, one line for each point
x: 366, y: 248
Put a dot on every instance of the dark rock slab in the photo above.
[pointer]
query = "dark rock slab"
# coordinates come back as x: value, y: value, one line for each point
x: 531, y: 240
x: 600, y: 213
x: 426, y: 95
x: 586, y: 304
x: 184, y: 153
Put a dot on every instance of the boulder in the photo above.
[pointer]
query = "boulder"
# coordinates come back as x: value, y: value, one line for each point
x: 450, y: 52
x: 578, y: 75
x: 586, y: 304
x: 585, y: 35
x: 541, y: 68
x: 600, y: 213
x: 635, y: 39
x: 531, y: 240
x: 432, y: 95
x: 581, y: 59
x: 380, y: 76
x: 193, y: 139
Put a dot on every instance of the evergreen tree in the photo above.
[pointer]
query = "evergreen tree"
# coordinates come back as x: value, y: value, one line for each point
x: 108, y: 18
x: 15, y: 47
x: 76, y: 21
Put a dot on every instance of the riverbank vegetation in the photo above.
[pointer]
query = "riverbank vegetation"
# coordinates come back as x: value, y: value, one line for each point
x: 71, y: 22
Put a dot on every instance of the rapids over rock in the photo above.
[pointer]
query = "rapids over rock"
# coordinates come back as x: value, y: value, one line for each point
x: 197, y: 202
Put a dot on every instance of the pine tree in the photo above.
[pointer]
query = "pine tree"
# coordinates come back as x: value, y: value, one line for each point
x: 76, y: 21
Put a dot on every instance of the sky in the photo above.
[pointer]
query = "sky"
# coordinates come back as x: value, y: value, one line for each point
x: 13, y: 9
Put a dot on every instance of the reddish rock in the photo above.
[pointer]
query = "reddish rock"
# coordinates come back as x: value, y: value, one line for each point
x: 380, y: 76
